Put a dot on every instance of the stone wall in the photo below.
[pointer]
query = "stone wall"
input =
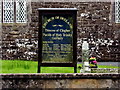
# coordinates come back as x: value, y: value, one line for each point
x: 18, y: 40
x: 95, y: 22
x: 61, y: 81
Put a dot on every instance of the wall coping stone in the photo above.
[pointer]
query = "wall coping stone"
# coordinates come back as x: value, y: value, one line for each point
x: 71, y: 1
x: 57, y: 8
x: 62, y: 76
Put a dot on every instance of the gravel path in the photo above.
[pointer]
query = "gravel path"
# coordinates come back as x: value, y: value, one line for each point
x: 107, y: 63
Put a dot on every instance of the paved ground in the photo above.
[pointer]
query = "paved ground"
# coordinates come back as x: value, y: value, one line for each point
x: 108, y: 63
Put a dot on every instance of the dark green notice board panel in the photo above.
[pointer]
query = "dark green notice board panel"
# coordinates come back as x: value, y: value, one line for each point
x: 57, y: 37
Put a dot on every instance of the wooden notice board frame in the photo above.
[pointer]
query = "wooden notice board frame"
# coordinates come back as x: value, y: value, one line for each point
x: 64, y: 12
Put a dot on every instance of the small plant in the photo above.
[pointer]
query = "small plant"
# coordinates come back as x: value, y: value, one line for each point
x: 93, y: 62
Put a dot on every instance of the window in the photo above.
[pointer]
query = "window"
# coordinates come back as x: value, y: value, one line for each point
x: 0, y: 11
x: 20, y: 11
x: 117, y: 11
x: 8, y: 11
x: 14, y: 11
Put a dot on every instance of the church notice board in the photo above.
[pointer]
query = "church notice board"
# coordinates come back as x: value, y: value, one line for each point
x: 57, y: 44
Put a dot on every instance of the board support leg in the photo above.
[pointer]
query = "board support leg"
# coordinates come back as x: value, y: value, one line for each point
x: 39, y: 68
x: 75, y: 69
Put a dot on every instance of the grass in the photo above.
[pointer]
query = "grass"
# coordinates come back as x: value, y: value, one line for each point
x: 20, y: 66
